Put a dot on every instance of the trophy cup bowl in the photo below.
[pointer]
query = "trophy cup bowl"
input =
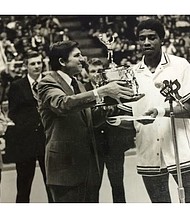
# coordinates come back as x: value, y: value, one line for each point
x: 116, y: 73
x: 125, y: 75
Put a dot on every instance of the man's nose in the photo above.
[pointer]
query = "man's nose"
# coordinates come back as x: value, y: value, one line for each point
x: 146, y: 41
x: 36, y: 64
x: 82, y: 58
x: 82, y: 61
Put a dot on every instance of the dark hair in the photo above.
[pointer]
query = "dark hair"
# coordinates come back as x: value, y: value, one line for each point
x: 62, y: 50
x: 152, y: 24
x: 95, y: 61
x: 31, y: 54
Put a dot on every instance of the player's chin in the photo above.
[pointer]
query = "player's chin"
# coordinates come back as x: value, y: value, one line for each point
x: 148, y: 52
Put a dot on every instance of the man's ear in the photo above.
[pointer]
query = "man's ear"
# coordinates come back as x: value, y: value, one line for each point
x: 61, y: 62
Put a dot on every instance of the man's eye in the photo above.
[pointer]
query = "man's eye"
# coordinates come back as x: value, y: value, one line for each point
x: 77, y: 55
x: 151, y: 37
x: 100, y: 71
x: 33, y: 64
x: 141, y: 38
x: 92, y: 71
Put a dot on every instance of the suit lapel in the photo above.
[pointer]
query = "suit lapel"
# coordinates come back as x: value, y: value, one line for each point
x: 27, y: 89
x: 86, y: 113
x: 62, y: 83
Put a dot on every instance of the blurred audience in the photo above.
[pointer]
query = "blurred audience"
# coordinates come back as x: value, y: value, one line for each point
x: 177, y: 35
x: 19, y: 33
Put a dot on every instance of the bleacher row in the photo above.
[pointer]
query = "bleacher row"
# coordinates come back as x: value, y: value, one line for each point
x: 19, y: 33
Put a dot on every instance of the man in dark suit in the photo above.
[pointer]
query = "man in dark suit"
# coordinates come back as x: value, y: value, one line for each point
x: 28, y: 141
x: 112, y: 142
x: 66, y: 116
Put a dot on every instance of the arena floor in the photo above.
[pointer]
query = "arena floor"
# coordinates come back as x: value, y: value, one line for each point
x: 134, y: 188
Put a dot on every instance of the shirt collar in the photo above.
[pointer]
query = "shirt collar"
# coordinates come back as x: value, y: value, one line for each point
x: 31, y: 80
x: 66, y: 77
x: 164, y: 61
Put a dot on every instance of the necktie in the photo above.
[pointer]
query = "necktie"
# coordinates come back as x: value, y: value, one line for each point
x: 75, y: 86
x: 34, y: 88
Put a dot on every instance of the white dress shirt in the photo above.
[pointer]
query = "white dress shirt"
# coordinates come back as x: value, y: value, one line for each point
x: 31, y: 80
x: 66, y: 77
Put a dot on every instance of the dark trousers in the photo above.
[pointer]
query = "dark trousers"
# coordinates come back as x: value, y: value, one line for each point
x: 115, y: 171
x: 25, y: 175
x: 158, y: 187
x: 68, y: 194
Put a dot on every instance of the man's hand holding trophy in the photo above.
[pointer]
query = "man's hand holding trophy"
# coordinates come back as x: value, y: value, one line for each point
x: 114, y: 76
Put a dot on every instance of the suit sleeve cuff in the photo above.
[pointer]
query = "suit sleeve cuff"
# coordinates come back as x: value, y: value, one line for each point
x: 98, y: 99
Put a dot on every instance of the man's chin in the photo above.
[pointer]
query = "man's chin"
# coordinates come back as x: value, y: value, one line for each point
x: 148, y: 52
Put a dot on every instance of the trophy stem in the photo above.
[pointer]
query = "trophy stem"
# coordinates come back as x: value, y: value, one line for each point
x: 112, y: 64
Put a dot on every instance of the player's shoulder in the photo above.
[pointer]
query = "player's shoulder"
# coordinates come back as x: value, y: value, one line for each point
x: 176, y: 60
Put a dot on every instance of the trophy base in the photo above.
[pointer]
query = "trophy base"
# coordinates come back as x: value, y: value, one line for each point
x: 135, y: 98
x: 111, y: 101
x: 100, y: 104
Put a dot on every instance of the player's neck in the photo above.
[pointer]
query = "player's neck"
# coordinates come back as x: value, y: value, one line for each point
x: 152, y: 62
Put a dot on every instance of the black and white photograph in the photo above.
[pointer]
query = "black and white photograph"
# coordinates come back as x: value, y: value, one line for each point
x: 95, y: 109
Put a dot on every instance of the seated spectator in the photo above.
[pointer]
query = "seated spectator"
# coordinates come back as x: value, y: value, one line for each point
x: 6, y: 48
x: 37, y: 40
x: 168, y: 47
x: 65, y: 35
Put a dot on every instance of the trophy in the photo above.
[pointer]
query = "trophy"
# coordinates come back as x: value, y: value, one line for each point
x: 116, y: 73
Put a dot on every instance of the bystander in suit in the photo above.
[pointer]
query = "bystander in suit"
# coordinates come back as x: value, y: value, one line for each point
x: 111, y: 141
x: 28, y: 138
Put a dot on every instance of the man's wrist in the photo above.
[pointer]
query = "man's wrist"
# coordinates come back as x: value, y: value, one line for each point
x: 98, y: 99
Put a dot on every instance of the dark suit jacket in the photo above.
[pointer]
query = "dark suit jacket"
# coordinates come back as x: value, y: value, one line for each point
x: 26, y: 139
x: 68, y: 131
x: 110, y: 140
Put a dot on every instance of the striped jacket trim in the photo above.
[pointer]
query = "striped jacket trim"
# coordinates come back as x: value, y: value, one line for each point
x: 156, y: 170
